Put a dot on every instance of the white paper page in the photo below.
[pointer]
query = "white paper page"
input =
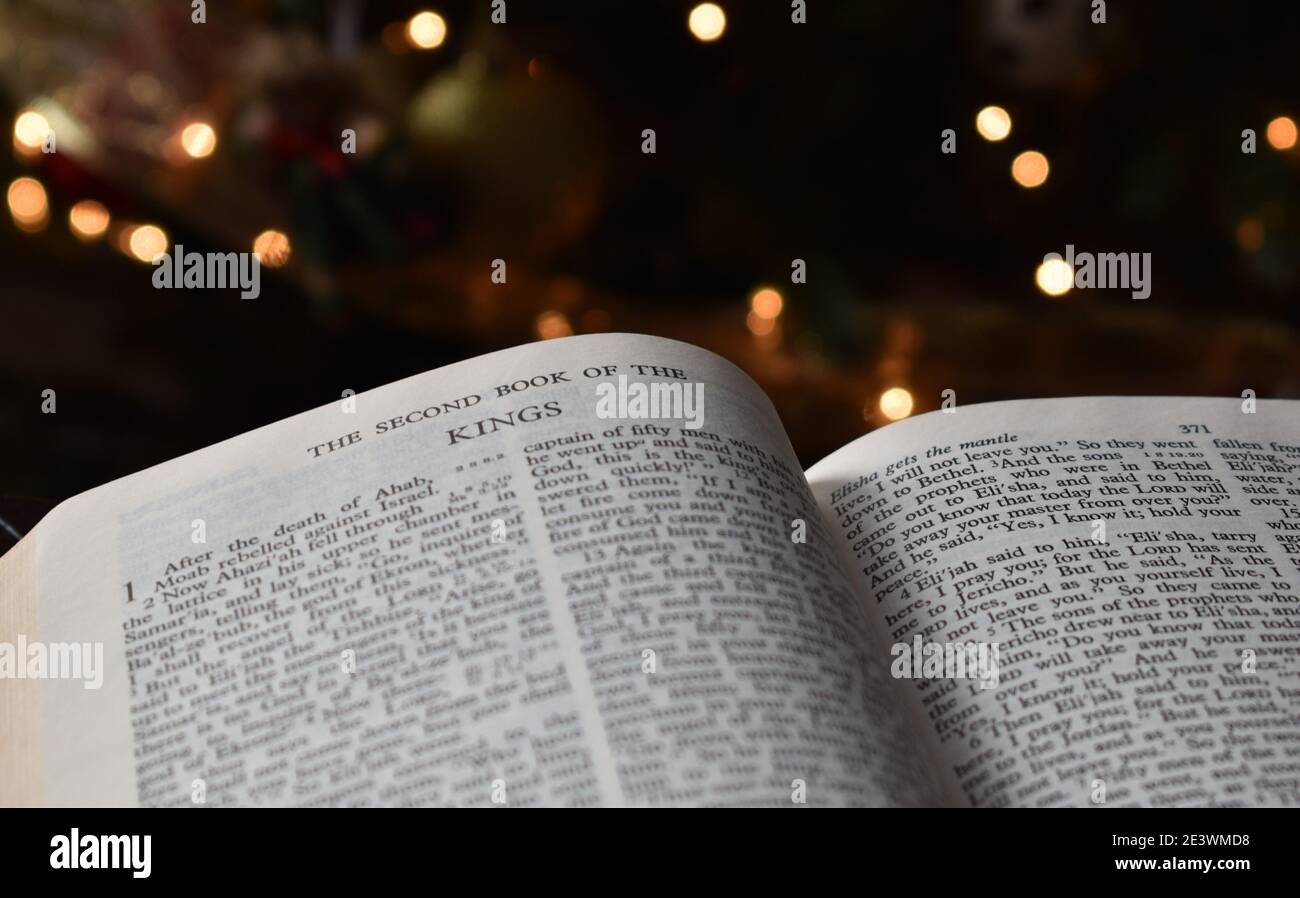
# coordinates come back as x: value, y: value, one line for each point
x: 1124, y: 665
x: 538, y: 606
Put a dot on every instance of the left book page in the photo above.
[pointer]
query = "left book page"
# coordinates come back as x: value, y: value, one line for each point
x: 475, y: 586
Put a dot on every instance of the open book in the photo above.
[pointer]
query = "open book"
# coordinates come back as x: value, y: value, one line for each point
x: 590, y: 571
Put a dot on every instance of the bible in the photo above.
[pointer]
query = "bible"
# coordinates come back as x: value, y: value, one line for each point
x: 591, y: 572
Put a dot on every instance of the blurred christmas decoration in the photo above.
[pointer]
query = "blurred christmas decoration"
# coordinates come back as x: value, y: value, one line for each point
x: 895, y: 403
x: 426, y: 30
x: 379, y: 156
x: 1281, y: 133
x: 993, y: 123
x: 89, y: 220
x: 1029, y: 169
x: 707, y: 22
x: 28, y: 204
x: 1054, y: 276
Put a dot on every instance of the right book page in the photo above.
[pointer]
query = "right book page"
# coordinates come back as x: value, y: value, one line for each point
x: 1136, y: 561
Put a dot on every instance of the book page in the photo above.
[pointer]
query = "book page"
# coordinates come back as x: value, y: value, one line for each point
x: 499, y: 583
x: 1136, y: 564
x: 19, y: 699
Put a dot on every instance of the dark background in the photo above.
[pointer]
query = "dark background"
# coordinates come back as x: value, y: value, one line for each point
x: 522, y: 141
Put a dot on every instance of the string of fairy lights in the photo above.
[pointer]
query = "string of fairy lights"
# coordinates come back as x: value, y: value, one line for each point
x: 194, y: 141
x: 90, y: 220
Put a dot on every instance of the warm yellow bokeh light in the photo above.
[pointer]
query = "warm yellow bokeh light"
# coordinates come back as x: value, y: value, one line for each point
x: 147, y: 242
x: 426, y: 30
x: 1281, y: 133
x: 272, y: 248
x: 707, y: 21
x: 766, y: 303
x: 1054, y: 277
x: 895, y: 403
x: 993, y: 123
x: 553, y: 324
x: 1029, y: 168
x: 198, y: 140
x: 28, y: 204
x: 30, y: 130
x: 88, y: 220
x: 1250, y: 235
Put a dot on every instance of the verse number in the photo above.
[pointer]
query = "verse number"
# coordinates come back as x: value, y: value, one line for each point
x: 130, y: 597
